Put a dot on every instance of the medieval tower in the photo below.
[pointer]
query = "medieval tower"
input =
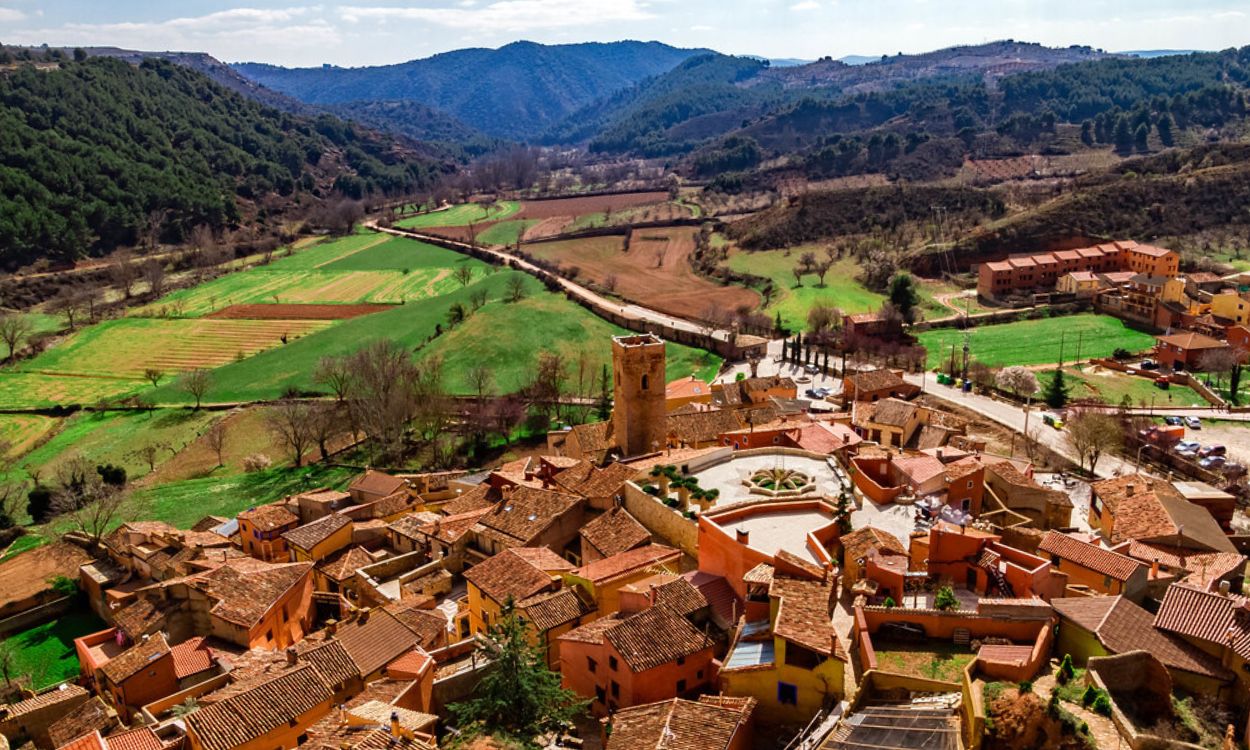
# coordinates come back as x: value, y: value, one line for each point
x: 638, y: 412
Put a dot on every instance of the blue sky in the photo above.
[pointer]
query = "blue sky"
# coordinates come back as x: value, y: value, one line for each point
x: 371, y: 32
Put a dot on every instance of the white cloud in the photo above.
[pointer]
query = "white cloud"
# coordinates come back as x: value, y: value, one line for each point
x: 233, y: 34
x: 11, y: 14
x: 805, y: 5
x: 507, y: 15
x: 701, y: 27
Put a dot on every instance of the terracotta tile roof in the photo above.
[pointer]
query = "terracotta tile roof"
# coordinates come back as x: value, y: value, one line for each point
x: 311, y: 534
x: 592, y: 632
x: 520, y: 517
x: 332, y: 662
x: 589, y: 481
x: 89, y: 741
x: 615, y: 531
x: 804, y: 615
x: 712, y: 723
x: 381, y: 713
x: 718, y: 593
x: 270, y: 517
x: 430, y: 625
x: 141, y: 738
x: 129, y: 662
x: 762, y: 573
x: 550, y: 609
x: 245, y: 591
x: 672, y: 591
x: 1205, y: 569
x: 1151, y: 250
x: 919, y: 469
x: 410, y: 664
x: 138, y: 618
x: 858, y: 543
x: 390, y: 505
x: 377, y: 640
x: 700, y: 427
x: 514, y: 574
x: 820, y: 437
x: 1190, y: 341
x: 1091, y: 556
x: 377, y: 483
x: 192, y: 656
x: 451, y: 528
x: 381, y: 739
x: 1206, y: 616
x: 254, y: 713
x: 687, y: 387
x: 91, y: 716
x: 595, y: 436
x: 876, y: 380
x: 66, y: 694
x: 634, y: 560
x: 345, y: 565
x: 653, y: 637
x: 1120, y: 625
x: 475, y: 499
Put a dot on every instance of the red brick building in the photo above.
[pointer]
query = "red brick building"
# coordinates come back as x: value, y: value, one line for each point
x: 1001, y: 278
x: 1185, y: 349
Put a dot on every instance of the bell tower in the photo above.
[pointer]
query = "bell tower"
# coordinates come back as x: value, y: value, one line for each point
x: 638, y: 409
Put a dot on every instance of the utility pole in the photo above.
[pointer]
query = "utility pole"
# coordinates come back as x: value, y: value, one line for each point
x: 967, y: 341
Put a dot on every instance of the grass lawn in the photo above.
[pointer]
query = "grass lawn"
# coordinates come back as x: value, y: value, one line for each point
x: 39, y: 324
x: 46, y: 652
x: 929, y: 289
x: 1111, y: 387
x: 505, y: 232
x: 841, y: 289
x: 934, y: 660
x: 461, y: 215
x: 505, y: 334
x: 1038, y: 342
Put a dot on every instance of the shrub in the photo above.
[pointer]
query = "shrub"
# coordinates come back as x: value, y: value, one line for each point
x: 889, y: 602
x: 651, y: 489
x: 945, y: 599
x: 112, y: 475
x: 256, y: 462
x: 1102, y: 704
x: 1026, y: 687
x: 39, y: 503
x: 63, y: 585
x: 1066, y: 671
x: 1088, y: 697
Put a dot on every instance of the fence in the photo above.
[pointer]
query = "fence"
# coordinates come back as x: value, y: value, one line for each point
x: 36, y: 615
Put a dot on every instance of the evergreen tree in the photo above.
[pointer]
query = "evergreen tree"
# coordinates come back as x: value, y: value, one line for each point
x: 1087, y: 133
x: 1164, y: 127
x: 1141, y: 136
x: 605, y: 394
x: 1056, y: 393
x: 1122, y: 135
x: 519, y: 696
x: 903, y: 295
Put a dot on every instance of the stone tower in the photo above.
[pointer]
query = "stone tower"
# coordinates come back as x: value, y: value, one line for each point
x: 638, y: 410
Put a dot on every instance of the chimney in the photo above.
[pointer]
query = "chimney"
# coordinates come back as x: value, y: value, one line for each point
x: 363, y: 617
x: 395, y: 732
x: 743, y: 536
x: 1154, y: 568
x: 292, y: 656
x: 1128, y: 490
x: 332, y: 627
x: 939, y: 454
x: 1225, y: 588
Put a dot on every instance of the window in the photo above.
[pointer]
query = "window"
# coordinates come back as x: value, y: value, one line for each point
x: 700, y: 675
x: 600, y: 695
x: 612, y: 663
x: 616, y: 690
x: 645, y: 382
x: 787, y: 694
x: 591, y: 664
x: 681, y: 686
x: 681, y: 660
x: 969, y: 484
x: 1106, y: 581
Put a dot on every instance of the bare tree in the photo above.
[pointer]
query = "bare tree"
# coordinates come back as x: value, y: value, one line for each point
x: 196, y: 384
x: 122, y: 272
x: 154, y: 274
x: 1018, y: 381
x: 215, y: 437
x: 90, y: 505
x: 822, y: 318
x: 481, y: 379
x: 478, y: 297
x: 291, y: 422
x: 516, y: 288
x: 382, y: 393
x: 15, y: 328
x: 150, y: 232
x: 68, y: 304
x: 334, y: 373
x: 820, y: 269
x: 153, y: 375
x: 507, y: 413
x: 547, y: 385
x: 464, y: 274
x: 326, y: 423
x: 609, y: 282
x: 1090, y: 433
x: 149, y: 453
x: 8, y: 661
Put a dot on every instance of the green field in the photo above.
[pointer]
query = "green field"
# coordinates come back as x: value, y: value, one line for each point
x: 39, y: 324
x: 461, y: 215
x: 505, y: 232
x: 46, y: 652
x: 841, y: 289
x: 1038, y: 342
x: 517, y: 331
x: 374, y: 268
x: 1111, y: 387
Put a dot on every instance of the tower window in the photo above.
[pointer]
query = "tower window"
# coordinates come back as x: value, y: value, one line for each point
x: 645, y: 380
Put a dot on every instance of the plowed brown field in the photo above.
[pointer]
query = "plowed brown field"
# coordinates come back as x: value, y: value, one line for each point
x: 556, y: 215
x: 654, y: 272
x: 296, y: 312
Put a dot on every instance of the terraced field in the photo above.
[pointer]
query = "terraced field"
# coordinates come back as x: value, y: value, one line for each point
x: 26, y: 390
x: 20, y: 432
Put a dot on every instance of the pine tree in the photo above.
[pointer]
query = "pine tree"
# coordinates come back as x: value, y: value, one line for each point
x: 519, y: 696
x: 1123, y: 136
x: 1056, y: 393
x: 1141, y: 137
x: 1165, y: 126
x: 1087, y: 133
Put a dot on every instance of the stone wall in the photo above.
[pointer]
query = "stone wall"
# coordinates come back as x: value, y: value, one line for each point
x: 665, y: 522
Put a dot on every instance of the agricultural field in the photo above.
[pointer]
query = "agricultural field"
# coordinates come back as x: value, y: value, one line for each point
x: 21, y: 432
x: 933, y: 291
x: 655, y: 271
x: 505, y: 232
x: 40, y: 324
x: 31, y: 390
x: 461, y: 215
x: 547, y: 218
x: 363, y: 268
x: 1039, y: 342
x: 46, y: 652
x: 842, y: 289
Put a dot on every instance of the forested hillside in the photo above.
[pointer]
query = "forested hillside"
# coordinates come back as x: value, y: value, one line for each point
x: 95, y: 152
x: 516, y: 91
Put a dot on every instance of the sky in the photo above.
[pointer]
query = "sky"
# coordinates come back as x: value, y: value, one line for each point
x: 376, y: 32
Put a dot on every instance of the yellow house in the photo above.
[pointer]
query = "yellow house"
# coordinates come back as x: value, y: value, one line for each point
x: 793, y: 663
x: 1080, y: 283
x: 514, y: 574
x: 1231, y: 306
x: 292, y: 701
x: 1217, y: 624
x: 890, y: 422
x: 1173, y: 290
x: 314, y: 542
x: 603, y: 579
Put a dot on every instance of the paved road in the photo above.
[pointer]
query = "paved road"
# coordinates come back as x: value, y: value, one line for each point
x: 636, y: 312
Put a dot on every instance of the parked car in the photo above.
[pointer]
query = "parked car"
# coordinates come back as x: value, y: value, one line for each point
x: 1054, y: 420
x: 812, y: 393
x: 811, y: 369
x: 1163, y: 382
x: 1212, y: 462
x: 1173, y: 421
x: 1188, y: 446
x: 1213, y: 450
x: 1193, y: 423
x: 1149, y: 364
